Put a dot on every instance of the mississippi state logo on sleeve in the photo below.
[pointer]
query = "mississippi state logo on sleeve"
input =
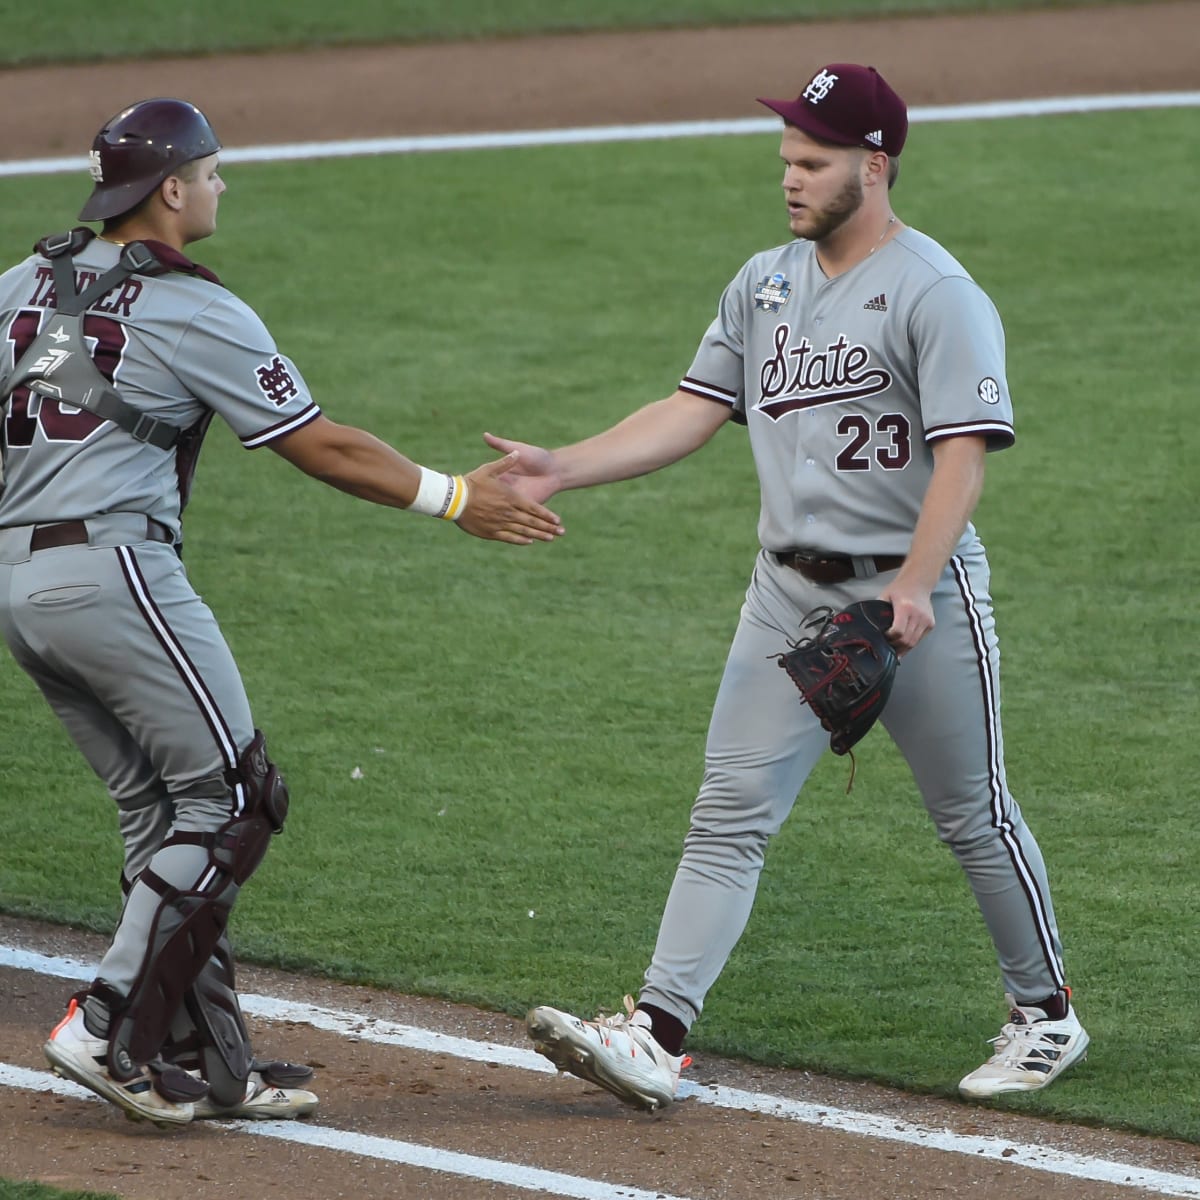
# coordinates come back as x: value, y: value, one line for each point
x: 803, y: 376
x: 275, y: 381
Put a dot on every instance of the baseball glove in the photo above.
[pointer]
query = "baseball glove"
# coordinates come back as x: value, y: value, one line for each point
x: 845, y: 669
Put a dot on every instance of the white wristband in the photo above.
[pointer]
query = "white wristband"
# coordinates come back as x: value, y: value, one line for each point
x: 440, y: 495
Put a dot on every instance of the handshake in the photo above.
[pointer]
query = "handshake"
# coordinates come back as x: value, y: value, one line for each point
x: 501, y: 500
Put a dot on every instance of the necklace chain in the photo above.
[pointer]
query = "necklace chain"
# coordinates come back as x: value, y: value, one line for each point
x: 891, y: 222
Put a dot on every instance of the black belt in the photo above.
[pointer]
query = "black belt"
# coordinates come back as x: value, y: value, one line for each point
x: 75, y: 533
x: 825, y: 569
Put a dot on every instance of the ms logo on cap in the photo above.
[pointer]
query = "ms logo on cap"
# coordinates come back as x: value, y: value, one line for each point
x: 95, y: 166
x: 820, y: 87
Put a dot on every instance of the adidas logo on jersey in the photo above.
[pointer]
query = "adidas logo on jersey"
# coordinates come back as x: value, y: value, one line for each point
x: 879, y: 304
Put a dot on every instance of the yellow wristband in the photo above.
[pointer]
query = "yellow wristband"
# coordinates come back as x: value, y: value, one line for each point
x: 458, y: 501
x: 440, y: 495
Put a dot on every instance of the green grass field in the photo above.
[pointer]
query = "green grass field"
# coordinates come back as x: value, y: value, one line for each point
x: 139, y: 28
x: 529, y: 722
x: 12, y: 1190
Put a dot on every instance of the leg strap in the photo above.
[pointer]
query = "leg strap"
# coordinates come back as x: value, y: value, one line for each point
x: 283, y: 1074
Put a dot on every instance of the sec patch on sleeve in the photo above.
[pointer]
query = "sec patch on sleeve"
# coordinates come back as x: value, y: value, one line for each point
x: 989, y: 391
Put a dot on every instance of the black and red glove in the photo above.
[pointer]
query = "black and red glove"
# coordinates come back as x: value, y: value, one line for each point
x: 845, y: 670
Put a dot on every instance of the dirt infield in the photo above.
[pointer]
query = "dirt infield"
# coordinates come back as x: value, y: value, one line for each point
x: 601, y: 78
x: 697, y: 1150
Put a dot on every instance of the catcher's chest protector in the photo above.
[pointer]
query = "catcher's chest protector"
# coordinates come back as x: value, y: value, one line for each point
x: 57, y: 364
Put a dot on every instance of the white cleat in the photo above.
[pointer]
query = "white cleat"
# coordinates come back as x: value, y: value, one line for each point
x: 1031, y: 1052
x: 261, y: 1103
x: 75, y: 1054
x: 612, y: 1052
x: 271, y: 1094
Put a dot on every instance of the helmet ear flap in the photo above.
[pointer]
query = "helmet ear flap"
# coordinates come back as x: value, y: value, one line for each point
x: 138, y: 148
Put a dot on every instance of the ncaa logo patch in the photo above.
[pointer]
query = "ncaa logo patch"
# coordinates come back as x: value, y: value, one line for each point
x: 989, y: 391
x: 772, y: 292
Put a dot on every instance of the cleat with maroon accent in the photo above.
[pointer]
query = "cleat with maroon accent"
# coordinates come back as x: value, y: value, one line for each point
x: 1031, y: 1052
x: 618, y: 1053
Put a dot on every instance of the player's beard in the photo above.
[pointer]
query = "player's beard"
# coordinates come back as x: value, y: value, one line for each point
x: 836, y: 213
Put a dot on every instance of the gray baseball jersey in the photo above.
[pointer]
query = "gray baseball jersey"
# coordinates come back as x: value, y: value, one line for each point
x: 845, y: 382
x: 178, y: 345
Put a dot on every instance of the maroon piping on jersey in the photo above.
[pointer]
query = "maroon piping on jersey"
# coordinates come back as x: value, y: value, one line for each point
x: 176, y: 261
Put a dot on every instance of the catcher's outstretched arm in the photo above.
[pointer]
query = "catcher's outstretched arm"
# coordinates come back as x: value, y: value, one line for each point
x: 355, y: 461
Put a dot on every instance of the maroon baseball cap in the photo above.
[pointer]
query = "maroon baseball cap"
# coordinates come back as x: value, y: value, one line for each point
x: 850, y: 106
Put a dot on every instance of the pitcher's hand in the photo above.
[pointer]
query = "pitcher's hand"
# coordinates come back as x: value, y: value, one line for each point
x: 534, y: 474
x: 500, y: 512
x: 912, y: 609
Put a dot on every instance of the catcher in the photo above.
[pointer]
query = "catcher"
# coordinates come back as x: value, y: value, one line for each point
x: 122, y: 350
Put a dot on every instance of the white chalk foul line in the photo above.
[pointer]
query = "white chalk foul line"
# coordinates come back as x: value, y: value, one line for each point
x: 388, y: 1033
x: 409, y: 1154
x: 348, y: 1024
x: 362, y: 147
x: 866, y: 1124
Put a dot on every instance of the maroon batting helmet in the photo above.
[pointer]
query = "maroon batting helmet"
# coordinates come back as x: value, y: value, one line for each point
x: 138, y: 148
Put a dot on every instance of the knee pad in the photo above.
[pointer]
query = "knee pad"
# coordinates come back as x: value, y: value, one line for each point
x: 266, y: 790
x: 241, y: 843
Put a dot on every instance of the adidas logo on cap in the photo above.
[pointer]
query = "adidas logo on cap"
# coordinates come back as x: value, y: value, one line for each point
x: 875, y: 137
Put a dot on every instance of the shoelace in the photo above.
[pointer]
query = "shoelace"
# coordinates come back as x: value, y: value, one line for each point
x: 618, y: 1020
x: 1015, y: 1043
x: 622, y: 1022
